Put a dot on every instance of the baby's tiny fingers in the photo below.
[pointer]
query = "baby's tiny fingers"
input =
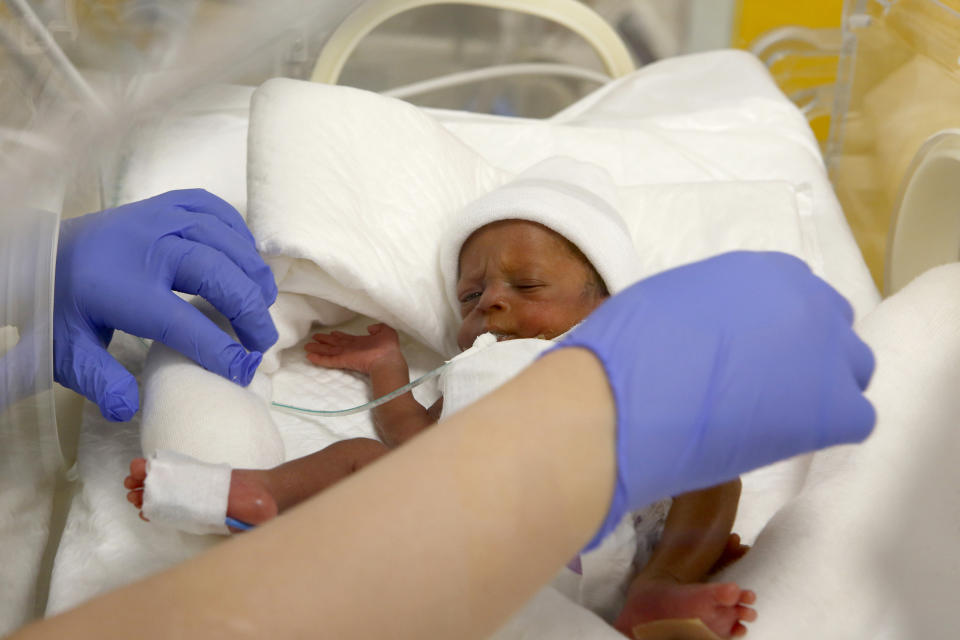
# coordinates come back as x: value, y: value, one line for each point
x: 323, y: 349
x: 738, y: 630
x: 746, y: 614
x: 747, y: 597
x: 320, y: 361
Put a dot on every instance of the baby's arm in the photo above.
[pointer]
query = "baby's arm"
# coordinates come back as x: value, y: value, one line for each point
x: 377, y: 355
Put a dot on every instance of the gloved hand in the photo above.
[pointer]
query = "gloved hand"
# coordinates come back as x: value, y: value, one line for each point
x: 723, y: 366
x: 117, y: 269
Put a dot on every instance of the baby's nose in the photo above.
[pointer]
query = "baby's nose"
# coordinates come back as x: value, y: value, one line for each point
x: 494, y: 299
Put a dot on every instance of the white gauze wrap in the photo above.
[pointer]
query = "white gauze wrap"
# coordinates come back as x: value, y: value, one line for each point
x: 485, y: 366
x: 185, y: 493
x: 575, y: 199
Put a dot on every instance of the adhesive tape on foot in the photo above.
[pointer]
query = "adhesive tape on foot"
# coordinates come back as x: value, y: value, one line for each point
x: 185, y: 493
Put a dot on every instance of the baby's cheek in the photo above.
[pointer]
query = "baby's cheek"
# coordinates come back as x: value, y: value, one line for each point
x: 466, y: 332
x: 559, y: 319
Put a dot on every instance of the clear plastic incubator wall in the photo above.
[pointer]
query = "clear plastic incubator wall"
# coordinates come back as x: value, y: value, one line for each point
x: 711, y: 150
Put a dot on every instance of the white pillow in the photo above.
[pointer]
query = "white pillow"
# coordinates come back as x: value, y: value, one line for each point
x: 351, y: 192
x: 674, y: 224
x: 202, y: 142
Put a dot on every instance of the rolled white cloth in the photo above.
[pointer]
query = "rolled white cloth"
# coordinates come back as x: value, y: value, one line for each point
x: 205, y: 418
x: 192, y: 411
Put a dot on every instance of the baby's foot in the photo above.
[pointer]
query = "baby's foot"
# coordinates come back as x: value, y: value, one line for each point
x: 722, y: 607
x: 249, y: 500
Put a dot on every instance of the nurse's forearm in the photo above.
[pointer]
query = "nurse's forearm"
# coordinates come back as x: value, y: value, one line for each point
x: 443, y: 538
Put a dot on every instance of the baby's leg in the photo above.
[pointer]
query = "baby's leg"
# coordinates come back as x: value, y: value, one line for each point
x: 258, y: 495
x: 722, y: 607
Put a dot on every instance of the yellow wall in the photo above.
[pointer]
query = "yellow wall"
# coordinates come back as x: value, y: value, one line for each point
x: 755, y: 17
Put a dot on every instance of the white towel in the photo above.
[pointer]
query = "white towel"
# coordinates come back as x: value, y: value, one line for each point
x: 351, y: 193
x: 869, y: 547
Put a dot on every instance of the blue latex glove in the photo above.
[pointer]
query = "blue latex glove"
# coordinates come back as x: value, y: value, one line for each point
x: 117, y: 269
x: 723, y: 366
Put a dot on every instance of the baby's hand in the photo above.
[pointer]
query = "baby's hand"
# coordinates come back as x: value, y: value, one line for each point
x: 340, y: 350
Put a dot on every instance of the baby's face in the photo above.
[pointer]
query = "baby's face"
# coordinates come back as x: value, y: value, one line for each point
x: 519, y: 280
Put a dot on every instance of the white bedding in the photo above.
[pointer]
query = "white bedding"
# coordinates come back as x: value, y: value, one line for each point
x: 868, y: 549
x: 708, y: 118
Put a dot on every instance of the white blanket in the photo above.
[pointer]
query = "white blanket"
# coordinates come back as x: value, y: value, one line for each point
x: 751, y: 134
x: 869, y: 547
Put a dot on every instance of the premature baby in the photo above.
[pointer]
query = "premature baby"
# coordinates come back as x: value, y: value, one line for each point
x: 515, y: 276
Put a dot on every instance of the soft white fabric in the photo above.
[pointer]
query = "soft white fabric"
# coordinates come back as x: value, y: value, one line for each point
x: 360, y: 224
x: 707, y: 117
x: 486, y: 365
x: 356, y: 188
x: 552, y: 615
x: 575, y: 199
x: 714, y: 117
x: 185, y: 493
x: 202, y: 142
x: 192, y: 411
x: 679, y: 223
x: 869, y: 547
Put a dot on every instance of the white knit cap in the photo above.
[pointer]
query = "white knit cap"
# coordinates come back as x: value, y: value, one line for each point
x: 575, y: 199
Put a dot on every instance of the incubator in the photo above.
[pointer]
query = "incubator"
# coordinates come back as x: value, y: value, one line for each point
x: 103, y: 103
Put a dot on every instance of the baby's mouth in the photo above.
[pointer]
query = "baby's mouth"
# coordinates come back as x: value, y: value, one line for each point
x: 502, y: 337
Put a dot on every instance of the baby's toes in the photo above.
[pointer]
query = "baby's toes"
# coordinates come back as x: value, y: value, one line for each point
x: 722, y: 621
x: 746, y: 614
x: 135, y: 498
x: 727, y: 594
x: 138, y: 471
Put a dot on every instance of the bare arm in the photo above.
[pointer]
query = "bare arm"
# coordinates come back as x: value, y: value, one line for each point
x: 377, y: 355
x: 448, y: 535
x: 695, y: 535
x: 403, y: 417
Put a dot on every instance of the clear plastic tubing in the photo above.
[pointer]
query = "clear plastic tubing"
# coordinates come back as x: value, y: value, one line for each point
x: 368, y: 406
x: 337, y: 413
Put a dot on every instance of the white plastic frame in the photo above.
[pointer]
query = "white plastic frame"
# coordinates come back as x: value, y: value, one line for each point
x: 569, y: 13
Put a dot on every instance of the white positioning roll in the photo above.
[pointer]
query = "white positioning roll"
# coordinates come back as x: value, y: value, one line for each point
x: 187, y: 494
x: 192, y: 411
x: 215, y: 425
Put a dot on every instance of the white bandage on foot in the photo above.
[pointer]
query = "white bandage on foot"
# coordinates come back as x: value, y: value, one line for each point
x: 185, y: 493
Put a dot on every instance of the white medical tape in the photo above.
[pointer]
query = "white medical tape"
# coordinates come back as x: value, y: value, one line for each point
x: 185, y: 493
